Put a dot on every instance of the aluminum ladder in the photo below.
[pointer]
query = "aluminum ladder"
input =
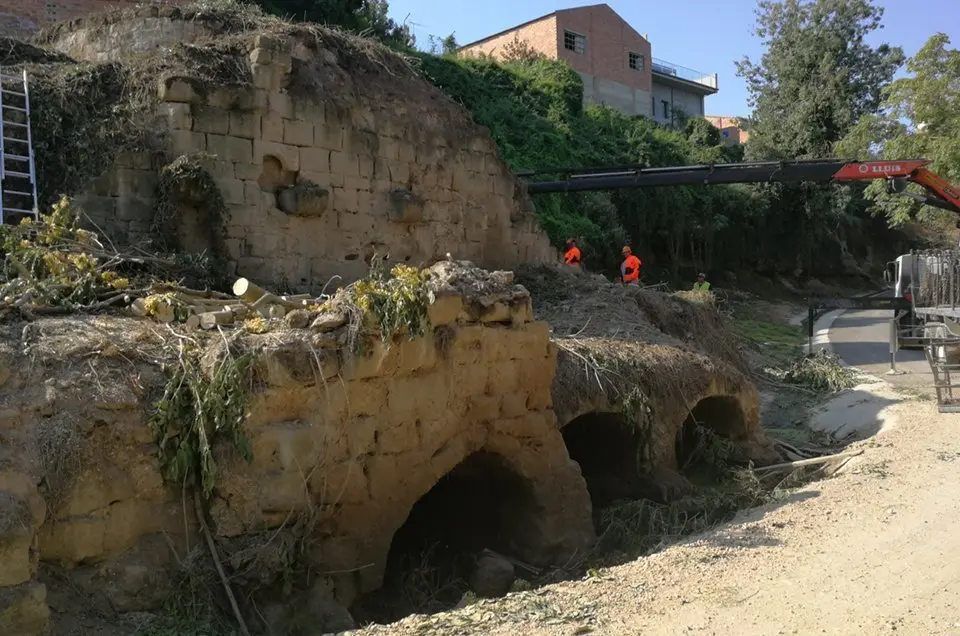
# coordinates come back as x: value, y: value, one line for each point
x: 18, y: 176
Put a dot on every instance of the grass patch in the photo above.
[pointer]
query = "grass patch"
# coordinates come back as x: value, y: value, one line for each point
x: 60, y: 451
x: 629, y: 529
x: 15, y: 517
x: 778, y: 341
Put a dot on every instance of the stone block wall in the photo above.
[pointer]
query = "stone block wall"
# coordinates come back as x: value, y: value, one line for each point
x: 350, y: 441
x: 21, y: 18
x: 80, y: 482
x: 364, y: 438
x: 321, y: 166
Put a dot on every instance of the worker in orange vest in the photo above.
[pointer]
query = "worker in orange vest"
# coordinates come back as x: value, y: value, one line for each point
x: 571, y: 253
x: 630, y: 267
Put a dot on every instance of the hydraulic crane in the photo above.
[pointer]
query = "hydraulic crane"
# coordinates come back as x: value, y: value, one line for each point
x: 935, y: 323
x: 897, y: 174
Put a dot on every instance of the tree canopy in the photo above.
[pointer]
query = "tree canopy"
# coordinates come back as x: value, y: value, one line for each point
x: 919, y: 117
x: 816, y: 78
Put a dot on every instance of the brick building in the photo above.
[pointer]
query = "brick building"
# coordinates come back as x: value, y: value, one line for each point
x: 20, y: 18
x: 731, y: 129
x: 614, y: 60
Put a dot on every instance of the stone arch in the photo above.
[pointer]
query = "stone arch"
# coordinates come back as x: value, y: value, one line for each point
x: 663, y: 386
x: 722, y: 414
x: 275, y: 176
x: 607, y: 448
x: 519, y: 502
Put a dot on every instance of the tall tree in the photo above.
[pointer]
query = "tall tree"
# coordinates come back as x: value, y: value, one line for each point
x: 818, y: 75
x: 366, y: 17
x: 920, y: 118
x: 815, y: 79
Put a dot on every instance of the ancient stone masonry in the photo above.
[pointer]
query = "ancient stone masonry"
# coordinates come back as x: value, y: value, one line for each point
x: 321, y: 164
x: 351, y: 441
x: 364, y: 438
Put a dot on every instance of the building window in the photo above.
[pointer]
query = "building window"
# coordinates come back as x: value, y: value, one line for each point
x: 666, y: 108
x: 574, y: 42
x: 636, y: 61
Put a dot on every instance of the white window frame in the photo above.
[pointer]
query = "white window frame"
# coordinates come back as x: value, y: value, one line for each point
x: 640, y: 64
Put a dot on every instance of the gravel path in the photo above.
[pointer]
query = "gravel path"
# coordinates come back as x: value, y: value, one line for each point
x: 874, y: 550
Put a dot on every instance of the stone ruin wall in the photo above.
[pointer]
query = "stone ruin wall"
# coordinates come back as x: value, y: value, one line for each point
x: 403, y: 171
x: 359, y: 438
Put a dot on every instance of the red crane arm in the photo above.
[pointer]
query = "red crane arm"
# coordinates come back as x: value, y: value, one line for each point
x: 942, y: 194
x: 913, y: 170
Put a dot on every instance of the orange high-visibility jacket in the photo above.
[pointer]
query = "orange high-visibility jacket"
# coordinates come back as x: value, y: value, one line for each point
x: 630, y: 269
x: 572, y: 256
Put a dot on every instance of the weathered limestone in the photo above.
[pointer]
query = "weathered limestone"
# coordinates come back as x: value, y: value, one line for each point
x: 351, y: 441
x: 367, y: 445
x: 394, y: 166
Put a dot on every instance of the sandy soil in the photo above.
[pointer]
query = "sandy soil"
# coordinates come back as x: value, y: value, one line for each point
x: 874, y: 550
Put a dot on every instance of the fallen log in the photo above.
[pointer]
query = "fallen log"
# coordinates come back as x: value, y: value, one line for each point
x: 809, y: 462
x: 212, y: 319
x: 247, y: 290
x: 269, y: 299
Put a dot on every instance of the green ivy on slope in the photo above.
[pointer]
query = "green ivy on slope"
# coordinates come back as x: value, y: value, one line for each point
x: 535, y: 112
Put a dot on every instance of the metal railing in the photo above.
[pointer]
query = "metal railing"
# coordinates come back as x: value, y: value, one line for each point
x: 939, y: 281
x: 664, y: 67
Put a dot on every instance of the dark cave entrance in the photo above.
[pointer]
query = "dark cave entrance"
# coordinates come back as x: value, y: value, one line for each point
x: 480, y: 504
x: 608, y: 449
x: 703, y: 440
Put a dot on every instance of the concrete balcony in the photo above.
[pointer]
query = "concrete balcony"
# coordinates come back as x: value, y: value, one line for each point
x: 682, y: 77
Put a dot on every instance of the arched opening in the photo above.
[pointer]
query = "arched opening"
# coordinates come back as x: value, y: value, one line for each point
x: 274, y: 177
x: 195, y: 230
x: 609, y: 451
x: 703, y: 443
x: 481, y: 504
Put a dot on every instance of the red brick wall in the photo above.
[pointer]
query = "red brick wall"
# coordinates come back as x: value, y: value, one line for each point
x: 540, y: 35
x: 609, y: 41
x: 18, y: 17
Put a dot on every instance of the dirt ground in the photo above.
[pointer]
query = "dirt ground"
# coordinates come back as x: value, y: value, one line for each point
x: 874, y: 550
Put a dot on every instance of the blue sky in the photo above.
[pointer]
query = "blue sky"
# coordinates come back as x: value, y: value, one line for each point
x: 706, y: 35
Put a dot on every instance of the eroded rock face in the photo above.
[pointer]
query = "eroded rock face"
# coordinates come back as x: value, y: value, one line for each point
x: 368, y: 444
x: 349, y: 441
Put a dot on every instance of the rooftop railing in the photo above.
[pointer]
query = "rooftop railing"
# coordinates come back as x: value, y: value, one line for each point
x: 682, y: 72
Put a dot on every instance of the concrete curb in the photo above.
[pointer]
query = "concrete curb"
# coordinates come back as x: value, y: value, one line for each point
x: 821, y: 332
x: 821, y: 340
